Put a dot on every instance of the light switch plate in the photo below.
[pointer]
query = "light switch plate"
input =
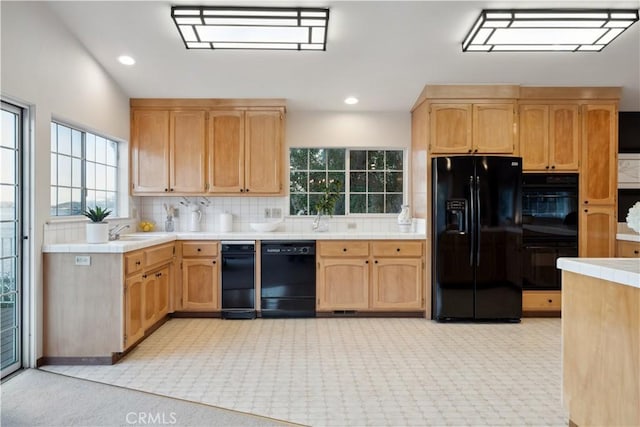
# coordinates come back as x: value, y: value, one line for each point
x: 83, y: 260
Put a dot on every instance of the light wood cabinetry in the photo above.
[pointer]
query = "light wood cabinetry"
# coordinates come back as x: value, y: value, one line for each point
x: 549, y: 137
x: 133, y: 306
x: 541, y: 301
x: 204, y: 146
x: 370, y: 276
x: 478, y: 128
x: 627, y: 249
x: 200, y: 276
x: 245, y: 151
x: 598, y: 227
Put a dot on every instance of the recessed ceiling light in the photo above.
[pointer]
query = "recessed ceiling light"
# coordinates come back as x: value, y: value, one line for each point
x: 527, y: 30
x: 126, y: 60
x: 351, y: 100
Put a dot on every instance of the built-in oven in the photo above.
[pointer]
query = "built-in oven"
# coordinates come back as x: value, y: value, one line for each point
x: 549, y: 227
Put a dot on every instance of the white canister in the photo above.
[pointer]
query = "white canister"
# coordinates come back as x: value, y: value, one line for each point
x: 196, y: 217
x: 226, y: 222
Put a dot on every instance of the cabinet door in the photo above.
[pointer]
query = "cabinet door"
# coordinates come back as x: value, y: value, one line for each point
x: 263, y: 151
x: 163, y: 279
x: 534, y: 137
x: 133, y: 310
x: 343, y: 284
x: 200, y: 284
x: 187, y: 152
x: 598, y: 229
x: 397, y: 284
x: 627, y: 249
x: 450, y: 129
x: 598, y: 182
x: 150, y: 298
x: 149, y: 151
x: 564, y: 134
x: 226, y: 152
x: 493, y: 128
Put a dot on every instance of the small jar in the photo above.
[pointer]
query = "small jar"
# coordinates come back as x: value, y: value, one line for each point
x: 168, y: 224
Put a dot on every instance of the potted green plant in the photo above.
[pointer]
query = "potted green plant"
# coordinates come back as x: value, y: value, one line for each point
x: 326, y: 205
x: 98, y: 228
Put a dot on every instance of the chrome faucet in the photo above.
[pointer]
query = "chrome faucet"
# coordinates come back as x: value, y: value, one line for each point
x: 114, y: 233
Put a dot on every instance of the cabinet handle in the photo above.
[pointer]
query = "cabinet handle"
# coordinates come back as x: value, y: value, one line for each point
x: 586, y: 202
x: 242, y: 190
x: 158, y: 274
x: 198, y: 249
x: 550, y: 301
x: 376, y: 261
x: 586, y: 210
x: 246, y: 189
x: 214, y: 262
x: 171, y: 189
x: 344, y: 249
x: 397, y: 249
x: 166, y: 189
x: 475, y: 151
x: 137, y: 262
x: 553, y: 166
x: 636, y: 252
x: 546, y: 167
x: 366, y: 262
x: 469, y: 151
x: 144, y: 276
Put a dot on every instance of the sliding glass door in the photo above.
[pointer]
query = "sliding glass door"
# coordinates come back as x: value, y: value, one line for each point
x: 10, y: 238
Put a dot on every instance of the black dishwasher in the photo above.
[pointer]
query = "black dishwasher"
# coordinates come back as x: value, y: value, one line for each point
x: 238, y: 280
x: 288, y: 279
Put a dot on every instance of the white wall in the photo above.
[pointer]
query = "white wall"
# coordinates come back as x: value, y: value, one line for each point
x: 45, y: 67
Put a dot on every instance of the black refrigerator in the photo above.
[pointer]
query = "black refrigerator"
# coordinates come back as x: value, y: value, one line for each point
x: 476, y: 238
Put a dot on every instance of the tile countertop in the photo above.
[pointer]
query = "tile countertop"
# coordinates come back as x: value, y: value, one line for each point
x: 625, y: 271
x: 134, y: 241
x: 631, y: 237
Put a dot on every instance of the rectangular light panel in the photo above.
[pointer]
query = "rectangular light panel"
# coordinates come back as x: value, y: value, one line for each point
x: 285, y: 28
x: 531, y: 30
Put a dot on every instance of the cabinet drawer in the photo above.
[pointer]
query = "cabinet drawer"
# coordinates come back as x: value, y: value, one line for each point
x: 158, y: 254
x: 541, y: 301
x: 349, y: 248
x: 396, y: 248
x: 133, y: 262
x: 626, y: 249
x: 197, y: 249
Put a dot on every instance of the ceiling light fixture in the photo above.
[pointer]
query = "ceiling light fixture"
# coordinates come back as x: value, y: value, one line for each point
x: 126, y: 60
x: 351, y: 100
x: 573, y: 30
x: 285, y: 28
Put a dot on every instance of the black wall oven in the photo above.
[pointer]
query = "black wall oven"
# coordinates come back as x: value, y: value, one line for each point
x: 549, y: 227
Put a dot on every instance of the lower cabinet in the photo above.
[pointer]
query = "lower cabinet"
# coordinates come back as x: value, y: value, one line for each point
x: 155, y: 293
x: 133, y: 310
x: 200, y: 276
x: 598, y: 228
x: 370, y: 276
x: 627, y: 249
x: 541, y: 301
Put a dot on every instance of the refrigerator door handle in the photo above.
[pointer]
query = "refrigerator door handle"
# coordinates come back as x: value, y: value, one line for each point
x: 477, y: 195
x: 472, y: 231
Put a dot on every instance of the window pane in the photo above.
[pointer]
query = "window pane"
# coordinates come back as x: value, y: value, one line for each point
x: 112, y: 153
x: 376, y: 203
x: 101, y: 149
x: 298, y: 204
x: 101, y: 176
x: 317, y: 159
x: 375, y: 160
x: 54, y: 201
x: 358, y: 182
x: 90, y: 147
x: 376, y: 182
x: 64, y: 201
x: 112, y: 182
x: 358, y: 160
x: 101, y: 198
x: 393, y: 203
x: 394, y: 182
x: 335, y: 159
x: 76, y: 202
x: 54, y: 137
x: 8, y: 193
x: 337, y: 177
x: 91, y: 199
x: 8, y: 164
x: 64, y: 140
x: 298, y: 158
x: 76, y: 173
x: 90, y: 175
x: 54, y: 169
x: 64, y: 171
x: 339, y: 210
x: 112, y: 201
x: 357, y: 203
x: 394, y: 160
x: 76, y: 143
x: 8, y: 274
x: 317, y: 181
x: 313, y: 200
x: 298, y: 182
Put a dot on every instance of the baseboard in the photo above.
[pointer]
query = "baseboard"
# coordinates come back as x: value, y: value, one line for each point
x: 56, y: 360
x: 196, y: 314
x: 355, y: 313
x: 542, y: 313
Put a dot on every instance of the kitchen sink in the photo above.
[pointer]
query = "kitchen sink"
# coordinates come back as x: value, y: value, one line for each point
x: 141, y: 236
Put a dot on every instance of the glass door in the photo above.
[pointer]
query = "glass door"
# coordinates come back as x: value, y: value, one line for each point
x: 10, y: 238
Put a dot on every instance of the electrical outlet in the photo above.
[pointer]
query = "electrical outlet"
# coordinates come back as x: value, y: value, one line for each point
x: 276, y: 212
x: 352, y: 225
x: 267, y: 213
x: 83, y: 260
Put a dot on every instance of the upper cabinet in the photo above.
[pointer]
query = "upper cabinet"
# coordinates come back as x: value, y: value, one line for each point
x: 549, y: 137
x: 245, y: 151
x: 599, y: 154
x: 478, y: 128
x: 206, y: 146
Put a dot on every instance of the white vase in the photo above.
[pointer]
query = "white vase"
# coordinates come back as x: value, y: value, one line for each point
x: 97, y: 232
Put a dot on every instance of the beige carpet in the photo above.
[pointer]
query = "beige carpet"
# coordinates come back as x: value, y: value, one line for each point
x: 38, y: 398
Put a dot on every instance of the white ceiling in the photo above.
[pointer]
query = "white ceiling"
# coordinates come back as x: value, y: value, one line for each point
x: 383, y: 52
